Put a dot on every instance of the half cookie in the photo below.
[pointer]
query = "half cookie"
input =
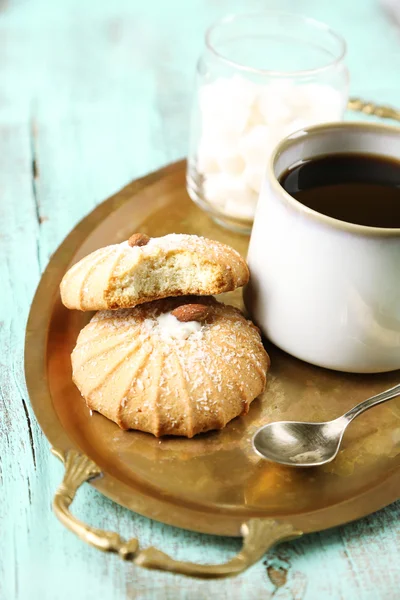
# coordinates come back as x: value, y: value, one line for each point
x: 145, y: 269
x: 174, y: 366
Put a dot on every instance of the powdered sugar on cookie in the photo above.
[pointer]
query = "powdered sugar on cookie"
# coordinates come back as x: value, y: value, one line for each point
x: 169, y: 328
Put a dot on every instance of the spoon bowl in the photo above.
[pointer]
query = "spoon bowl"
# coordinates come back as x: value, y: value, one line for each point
x: 302, y: 444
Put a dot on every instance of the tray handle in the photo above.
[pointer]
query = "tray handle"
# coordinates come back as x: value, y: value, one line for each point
x: 259, y: 535
x: 78, y: 469
x: 370, y: 108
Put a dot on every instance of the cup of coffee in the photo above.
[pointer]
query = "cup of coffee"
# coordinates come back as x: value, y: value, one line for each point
x: 324, y: 253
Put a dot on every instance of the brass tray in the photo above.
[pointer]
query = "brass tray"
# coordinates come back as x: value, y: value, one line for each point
x: 213, y: 483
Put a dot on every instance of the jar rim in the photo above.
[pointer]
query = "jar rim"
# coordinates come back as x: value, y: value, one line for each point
x: 322, y: 27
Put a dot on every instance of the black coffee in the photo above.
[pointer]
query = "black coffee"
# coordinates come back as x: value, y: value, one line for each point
x: 357, y: 188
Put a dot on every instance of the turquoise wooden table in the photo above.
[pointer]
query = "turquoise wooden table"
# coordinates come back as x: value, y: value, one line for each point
x: 92, y: 95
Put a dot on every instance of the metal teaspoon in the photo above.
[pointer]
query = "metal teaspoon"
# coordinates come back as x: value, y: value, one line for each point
x: 299, y: 444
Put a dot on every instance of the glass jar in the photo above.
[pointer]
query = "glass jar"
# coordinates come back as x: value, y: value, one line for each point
x: 261, y: 77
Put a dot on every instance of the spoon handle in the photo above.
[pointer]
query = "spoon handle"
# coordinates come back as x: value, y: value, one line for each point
x: 363, y: 406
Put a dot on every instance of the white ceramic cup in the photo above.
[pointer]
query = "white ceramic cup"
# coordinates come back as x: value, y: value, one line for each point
x: 326, y: 291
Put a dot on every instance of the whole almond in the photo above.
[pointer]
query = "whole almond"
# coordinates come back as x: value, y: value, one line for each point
x: 191, y: 312
x: 138, y: 239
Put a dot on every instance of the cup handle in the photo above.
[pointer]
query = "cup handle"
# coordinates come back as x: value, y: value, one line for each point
x: 259, y: 535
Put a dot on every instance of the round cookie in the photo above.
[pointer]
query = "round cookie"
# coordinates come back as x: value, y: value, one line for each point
x: 145, y: 269
x: 156, y: 369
